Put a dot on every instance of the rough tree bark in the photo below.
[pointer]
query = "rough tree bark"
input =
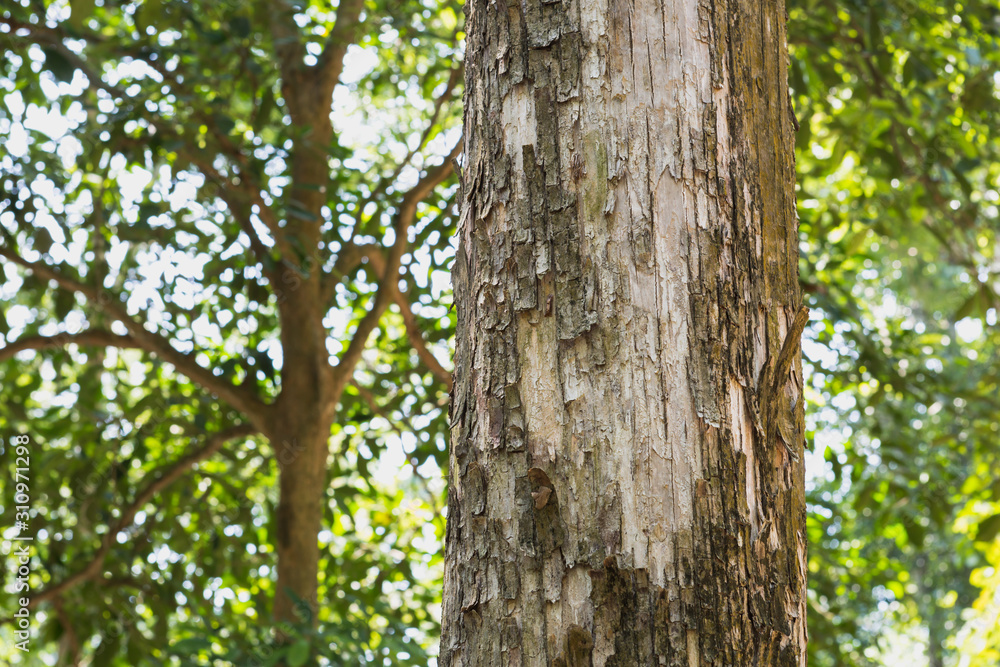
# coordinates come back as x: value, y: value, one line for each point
x: 624, y: 483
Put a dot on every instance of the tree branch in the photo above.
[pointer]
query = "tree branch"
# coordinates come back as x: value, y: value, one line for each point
x: 70, y: 643
x: 405, y: 215
x: 416, y: 338
x: 433, y: 178
x: 344, y: 33
x: 453, y: 79
x: 240, y: 209
x: 122, y: 582
x: 88, y: 338
x: 247, y: 183
x: 54, y: 40
x: 246, y: 188
x: 287, y: 46
x: 369, y: 399
x: 167, y: 476
x: 238, y: 397
x: 349, y: 259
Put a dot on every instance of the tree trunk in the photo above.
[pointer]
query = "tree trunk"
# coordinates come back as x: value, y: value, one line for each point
x: 302, y: 460
x: 299, y: 436
x: 626, y: 485
x: 306, y: 408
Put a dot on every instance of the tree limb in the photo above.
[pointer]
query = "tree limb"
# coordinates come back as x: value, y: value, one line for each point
x: 247, y: 185
x: 433, y: 178
x: 54, y: 40
x: 416, y: 339
x: 369, y: 398
x: 349, y: 259
x: 246, y: 189
x: 344, y: 33
x: 88, y: 338
x: 69, y: 645
x: 167, y: 476
x: 238, y: 397
x: 405, y: 215
x: 287, y: 46
x: 384, y: 183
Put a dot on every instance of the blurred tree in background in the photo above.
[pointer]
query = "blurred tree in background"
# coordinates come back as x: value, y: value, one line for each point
x: 225, y: 229
x: 147, y: 154
x: 898, y: 163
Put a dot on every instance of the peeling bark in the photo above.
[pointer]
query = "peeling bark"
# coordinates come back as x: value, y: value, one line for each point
x: 627, y: 268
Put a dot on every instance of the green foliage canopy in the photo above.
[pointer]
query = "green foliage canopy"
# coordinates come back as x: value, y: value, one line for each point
x: 898, y: 160
x: 147, y: 190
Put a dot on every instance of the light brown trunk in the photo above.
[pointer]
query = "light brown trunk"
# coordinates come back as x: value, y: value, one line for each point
x: 302, y: 479
x: 306, y: 408
x: 626, y: 485
x: 299, y: 437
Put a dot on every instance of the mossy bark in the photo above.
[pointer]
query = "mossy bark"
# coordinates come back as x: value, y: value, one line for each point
x: 627, y: 267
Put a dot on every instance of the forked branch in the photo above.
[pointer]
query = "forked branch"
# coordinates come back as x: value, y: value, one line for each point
x: 345, y: 32
x: 88, y: 338
x: 404, y: 218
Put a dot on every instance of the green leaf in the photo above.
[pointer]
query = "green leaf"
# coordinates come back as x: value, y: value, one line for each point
x: 59, y: 65
x: 81, y: 10
x: 149, y: 13
x: 988, y: 529
x: 264, y: 110
x: 968, y: 307
x: 224, y: 123
x: 43, y: 240
x: 65, y: 301
x: 240, y: 27
x: 190, y: 645
x: 298, y: 653
x: 107, y: 651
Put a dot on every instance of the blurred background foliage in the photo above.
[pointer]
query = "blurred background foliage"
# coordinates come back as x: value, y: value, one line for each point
x: 116, y: 123
x: 129, y: 132
x: 898, y: 158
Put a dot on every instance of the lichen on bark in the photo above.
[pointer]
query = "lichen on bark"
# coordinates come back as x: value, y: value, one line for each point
x: 627, y: 264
